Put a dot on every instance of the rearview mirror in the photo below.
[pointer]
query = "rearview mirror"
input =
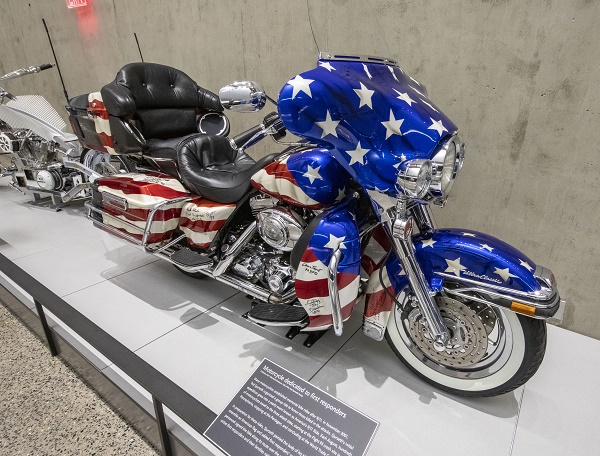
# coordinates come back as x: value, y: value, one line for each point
x: 243, y: 96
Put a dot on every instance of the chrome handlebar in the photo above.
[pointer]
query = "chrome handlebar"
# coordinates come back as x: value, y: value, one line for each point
x: 25, y: 71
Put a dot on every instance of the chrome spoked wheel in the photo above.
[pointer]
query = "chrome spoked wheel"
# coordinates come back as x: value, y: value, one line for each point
x: 490, y: 351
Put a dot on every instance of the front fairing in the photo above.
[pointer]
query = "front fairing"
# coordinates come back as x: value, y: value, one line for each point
x: 372, y: 116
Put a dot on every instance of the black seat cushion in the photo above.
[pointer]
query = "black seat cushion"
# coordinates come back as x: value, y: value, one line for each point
x: 163, y: 100
x: 166, y: 148
x: 210, y: 167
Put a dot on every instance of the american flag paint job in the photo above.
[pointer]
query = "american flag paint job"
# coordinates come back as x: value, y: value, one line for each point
x: 336, y: 228
x: 312, y: 179
x: 385, y: 282
x: 201, y: 219
x: 100, y: 114
x: 462, y: 254
x: 142, y: 192
x: 467, y: 254
x: 372, y: 117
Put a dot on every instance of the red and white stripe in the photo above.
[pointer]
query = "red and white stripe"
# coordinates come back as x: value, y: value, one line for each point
x: 101, y: 123
x: 379, y: 296
x: 378, y: 299
x: 142, y: 192
x: 277, y: 181
x: 201, y: 219
x: 376, y: 250
x: 313, y: 292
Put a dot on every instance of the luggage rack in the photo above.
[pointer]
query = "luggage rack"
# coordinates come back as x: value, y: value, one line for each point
x: 167, y: 251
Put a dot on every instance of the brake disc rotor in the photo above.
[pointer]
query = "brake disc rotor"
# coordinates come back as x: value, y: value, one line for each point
x: 468, y: 333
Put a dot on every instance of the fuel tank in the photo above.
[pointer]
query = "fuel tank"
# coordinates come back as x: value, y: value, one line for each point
x: 313, y: 179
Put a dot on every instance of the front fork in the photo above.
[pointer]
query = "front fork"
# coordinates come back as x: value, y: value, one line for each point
x: 400, y: 229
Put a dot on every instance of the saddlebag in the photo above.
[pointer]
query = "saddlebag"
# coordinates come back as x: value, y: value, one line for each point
x: 201, y: 219
x: 125, y: 202
x: 89, y: 121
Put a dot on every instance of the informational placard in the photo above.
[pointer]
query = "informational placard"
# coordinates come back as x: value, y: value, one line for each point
x: 278, y: 413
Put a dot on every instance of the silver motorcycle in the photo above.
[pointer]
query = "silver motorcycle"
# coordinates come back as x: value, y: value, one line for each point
x: 37, y: 152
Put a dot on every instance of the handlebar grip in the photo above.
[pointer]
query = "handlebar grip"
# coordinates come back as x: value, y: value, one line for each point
x: 241, y: 139
x: 46, y: 66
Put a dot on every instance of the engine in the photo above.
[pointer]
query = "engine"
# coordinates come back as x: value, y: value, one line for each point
x: 271, y: 269
x: 33, y: 150
x: 265, y: 259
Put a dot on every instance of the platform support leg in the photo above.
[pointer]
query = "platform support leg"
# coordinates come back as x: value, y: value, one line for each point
x: 47, y: 332
x: 162, y: 427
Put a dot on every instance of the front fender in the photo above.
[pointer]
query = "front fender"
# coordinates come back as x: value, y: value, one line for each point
x: 482, y: 264
x: 469, y: 256
x: 485, y: 263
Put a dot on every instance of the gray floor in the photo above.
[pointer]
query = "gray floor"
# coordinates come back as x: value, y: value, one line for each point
x: 45, y: 409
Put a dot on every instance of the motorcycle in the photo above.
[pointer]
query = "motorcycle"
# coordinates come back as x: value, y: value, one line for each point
x: 41, y: 156
x: 339, y: 216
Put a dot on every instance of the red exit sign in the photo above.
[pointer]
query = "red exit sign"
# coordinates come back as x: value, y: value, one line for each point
x: 76, y: 3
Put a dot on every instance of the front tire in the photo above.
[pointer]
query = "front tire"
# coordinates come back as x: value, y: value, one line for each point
x: 492, y: 351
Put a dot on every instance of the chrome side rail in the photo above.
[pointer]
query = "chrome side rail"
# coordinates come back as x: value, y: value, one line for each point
x: 144, y: 232
x: 156, y: 208
x: 334, y: 293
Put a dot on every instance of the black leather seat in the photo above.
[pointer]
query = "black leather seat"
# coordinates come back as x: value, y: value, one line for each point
x: 211, y: 167
x: 160, y: 102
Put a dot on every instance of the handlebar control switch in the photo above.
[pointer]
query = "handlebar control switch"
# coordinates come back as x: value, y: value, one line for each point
x: 273, y: 122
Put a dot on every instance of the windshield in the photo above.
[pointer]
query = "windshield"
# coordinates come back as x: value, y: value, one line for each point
x: 367, y: 112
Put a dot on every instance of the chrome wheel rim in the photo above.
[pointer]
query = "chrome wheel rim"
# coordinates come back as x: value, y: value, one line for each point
x: 5, y: 144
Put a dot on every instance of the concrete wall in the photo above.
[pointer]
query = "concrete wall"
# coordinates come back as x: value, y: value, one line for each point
x: 520, y: 79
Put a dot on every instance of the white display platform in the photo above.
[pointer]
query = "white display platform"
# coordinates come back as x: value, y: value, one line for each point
x: 192, y: 331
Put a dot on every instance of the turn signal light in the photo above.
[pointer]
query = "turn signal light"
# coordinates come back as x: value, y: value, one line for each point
x: 522, y: 308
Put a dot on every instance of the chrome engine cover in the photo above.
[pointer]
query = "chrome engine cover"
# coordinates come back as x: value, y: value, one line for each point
x: 280, y: 228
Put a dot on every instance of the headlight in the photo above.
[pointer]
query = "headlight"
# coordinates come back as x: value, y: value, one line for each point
x: 447, y: 162
x: 415, y: 178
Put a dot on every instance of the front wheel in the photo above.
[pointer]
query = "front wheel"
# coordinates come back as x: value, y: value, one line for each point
x: 491, y: 351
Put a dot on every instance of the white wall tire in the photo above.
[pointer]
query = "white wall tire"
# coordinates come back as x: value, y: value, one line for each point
x: 522, y: 353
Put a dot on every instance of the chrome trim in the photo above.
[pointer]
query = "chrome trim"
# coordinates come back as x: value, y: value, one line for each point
x: 283, y: 323
x: 558, y: 317
x: 72, y: 164
x: 545, y: 278
x: 334, y: 293
x: 118, y: 202
x: 357, y: 58
x: 414, y: 178
x: 373, y: 330
x: 235, y: 249
x: 438, y: 167
x: 68, y: 196
x: 406, y: 253
x: 292, y: 227
x: 489, y: 288
x: 461, y: 292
